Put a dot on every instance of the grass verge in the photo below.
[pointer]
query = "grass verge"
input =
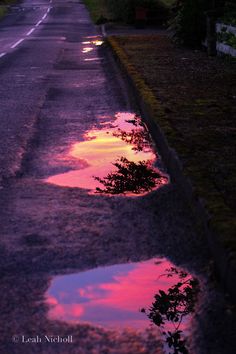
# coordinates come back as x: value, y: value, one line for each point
x: 193, y: 99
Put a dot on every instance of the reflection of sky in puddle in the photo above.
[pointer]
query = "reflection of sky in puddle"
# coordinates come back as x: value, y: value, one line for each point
x: 92, y: 59
x: 87, y: 49
x: 109, y: 296
x: 90, y: 45
x: 101, y: 148
x: 96, y: 42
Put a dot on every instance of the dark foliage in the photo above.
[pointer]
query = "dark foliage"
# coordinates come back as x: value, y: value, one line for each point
x: 172, y: 306
x: 189, y: 19
x: 124, y: 10
x: 130, y: 177
x: 138, y: 137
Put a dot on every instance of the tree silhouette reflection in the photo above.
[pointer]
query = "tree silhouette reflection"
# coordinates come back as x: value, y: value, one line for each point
x: 130, y: 177
x: 138, y: 137
x: 171, y: 307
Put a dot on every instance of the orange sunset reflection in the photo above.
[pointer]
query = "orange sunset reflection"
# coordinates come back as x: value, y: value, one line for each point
x: 100, y: 149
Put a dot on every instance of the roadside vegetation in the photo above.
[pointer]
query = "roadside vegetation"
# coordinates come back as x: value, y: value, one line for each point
x: 98, y: 10
x: 189, y: 18
x: 185, y: 18
x: 124, y: 10
x: 4, y: 4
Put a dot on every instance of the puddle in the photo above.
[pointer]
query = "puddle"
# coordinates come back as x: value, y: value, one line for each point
x: 90, y: 45
x: 96, y: 42
x: 93, y: 59
x: 118, y: 156
x: 116, y: 296
x: 87, y: 49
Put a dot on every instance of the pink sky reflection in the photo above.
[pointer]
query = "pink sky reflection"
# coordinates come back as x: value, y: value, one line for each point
x: 110, y: 296
x: 99, y: 151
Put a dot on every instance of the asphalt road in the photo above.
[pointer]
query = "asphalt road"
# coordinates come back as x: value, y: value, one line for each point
x: 56, y: 84
x: 26, y: 60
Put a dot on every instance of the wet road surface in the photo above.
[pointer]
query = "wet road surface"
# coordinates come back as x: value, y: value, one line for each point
x: 61, y: 99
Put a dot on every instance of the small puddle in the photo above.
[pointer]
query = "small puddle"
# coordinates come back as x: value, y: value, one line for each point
x: 96, y: 41
x: 87, y: 49
x: 118, y: 158
x: 90, y: 45
x: 126, y: 295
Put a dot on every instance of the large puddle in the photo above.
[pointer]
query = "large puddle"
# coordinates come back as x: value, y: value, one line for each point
x: 126, y: 295
x: 118, y: 158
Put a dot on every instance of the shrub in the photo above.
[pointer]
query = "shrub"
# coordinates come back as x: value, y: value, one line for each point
x: 189, y: 18
x: 189, y: 21
x: 124, y: 10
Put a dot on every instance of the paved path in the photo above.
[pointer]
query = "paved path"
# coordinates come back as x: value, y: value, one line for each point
x: 53, y: 90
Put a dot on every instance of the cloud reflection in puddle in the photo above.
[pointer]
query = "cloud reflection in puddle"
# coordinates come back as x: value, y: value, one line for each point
x: 124, y: 138
x: 109, y: 296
